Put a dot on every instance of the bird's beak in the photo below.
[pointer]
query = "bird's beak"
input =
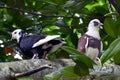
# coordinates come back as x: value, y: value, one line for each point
x: 101, y: 24
x: 63, y: 41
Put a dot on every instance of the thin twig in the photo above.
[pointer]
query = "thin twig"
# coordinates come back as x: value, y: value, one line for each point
x: 52, y: 16
x: 33, y: 71
x: 36, y: 14
x: 21, y: 10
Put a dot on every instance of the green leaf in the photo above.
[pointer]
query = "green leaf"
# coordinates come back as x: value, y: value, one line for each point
x: 53, y: 76
x: 72, y: 51
x: 60, y: 23
x: 117, y: 27
x: 74, y: 38
x: 81, y: 60
x: 79, y: 57
x: 24, y: 78
x: 68, y: 72
x: 83, y: 63
x: 116, y: 58
x: 109, y: 27
x: 81, y: 69
x: 49, y: 9
x: 69, y: 41
x: 60, y: 2
x: 113, y: 49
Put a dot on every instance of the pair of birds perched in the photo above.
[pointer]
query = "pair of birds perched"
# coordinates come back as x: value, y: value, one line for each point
x: 35, y: 46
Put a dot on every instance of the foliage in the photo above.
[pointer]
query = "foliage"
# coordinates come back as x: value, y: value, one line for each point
x: 83, y: 63
x: 25, y: 78
x: 112, y: 50
x: 68, y: 18
x: 53, y: 76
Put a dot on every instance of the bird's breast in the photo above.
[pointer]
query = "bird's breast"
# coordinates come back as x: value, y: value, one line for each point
x: 92, y: 52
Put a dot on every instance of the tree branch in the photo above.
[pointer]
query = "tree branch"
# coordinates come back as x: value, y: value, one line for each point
x: 28, y: 73
x: 52, y: 16
x: 35, y: 68
x: 11, y: 70
x: 36, y: 14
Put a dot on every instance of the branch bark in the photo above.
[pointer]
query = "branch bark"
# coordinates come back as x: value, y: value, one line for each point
x: 11, y: 70
x: 28, y: 73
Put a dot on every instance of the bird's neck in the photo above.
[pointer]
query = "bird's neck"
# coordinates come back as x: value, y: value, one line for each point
x: 18, y: 39
x: 93, y: 31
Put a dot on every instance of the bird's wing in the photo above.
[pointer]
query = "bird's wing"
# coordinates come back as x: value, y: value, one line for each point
x: 82, y: 44
x: 44, y: 40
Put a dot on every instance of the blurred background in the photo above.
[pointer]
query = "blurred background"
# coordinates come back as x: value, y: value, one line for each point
x: 68, y: 18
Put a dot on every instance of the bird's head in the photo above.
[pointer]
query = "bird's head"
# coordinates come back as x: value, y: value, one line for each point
x: 16, y: 34
x: 95, y: 23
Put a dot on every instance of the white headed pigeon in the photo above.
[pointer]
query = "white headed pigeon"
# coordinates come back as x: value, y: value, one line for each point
x: 35, y: 46
x: 90, y: 43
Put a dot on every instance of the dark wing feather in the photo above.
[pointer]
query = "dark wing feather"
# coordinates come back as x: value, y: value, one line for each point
x: 42, y: 43
x: 94, y: 43
x: 28, y: 41
x: 81, y: 44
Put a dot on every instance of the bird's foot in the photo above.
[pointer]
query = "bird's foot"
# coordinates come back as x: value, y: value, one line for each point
x: 98, y: 65
x: 98, y: 61
x: 35, y: 56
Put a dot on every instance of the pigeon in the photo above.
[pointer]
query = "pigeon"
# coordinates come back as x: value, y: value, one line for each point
x: 90, y: 43
x: 36, y: 46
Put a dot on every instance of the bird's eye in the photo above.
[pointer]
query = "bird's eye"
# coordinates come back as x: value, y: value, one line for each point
x: 96, y: 23
x: 20, y: 33
x: 15, y: 32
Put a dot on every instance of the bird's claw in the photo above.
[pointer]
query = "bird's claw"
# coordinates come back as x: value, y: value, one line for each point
x: 35, y: 56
